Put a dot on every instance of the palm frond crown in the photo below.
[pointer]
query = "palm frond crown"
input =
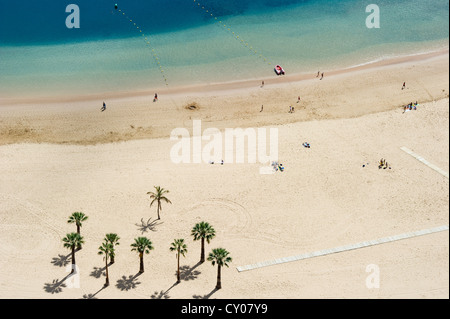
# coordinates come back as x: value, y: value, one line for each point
x: 178, y: 245
x: 203, y: 230
x: 77, y: 218
x: 220, y: 256
x: 72, y: 240
x: 142, y: 245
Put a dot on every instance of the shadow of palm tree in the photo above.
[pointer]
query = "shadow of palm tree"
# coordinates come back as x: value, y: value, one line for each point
x: 187, y: 273
x: 129, y: 283
x: 98, y: 272
x: 56, y: 286
x: 61, y: 260
x: 92, y: 296
x: 160, y: 295
x: 205, y: 296
x: 148, y: 226
x: 163, y: 294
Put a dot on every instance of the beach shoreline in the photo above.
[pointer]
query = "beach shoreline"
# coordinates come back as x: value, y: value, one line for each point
x: 341, y: 94
x: 227, y: 87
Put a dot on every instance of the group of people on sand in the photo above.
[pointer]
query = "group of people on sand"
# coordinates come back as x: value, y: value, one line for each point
x: 410, y: 107
x: 277, y: 167
x: 383, y: 164
x: 212, y: 162
x: 319, y: 74
x: 291, y: 108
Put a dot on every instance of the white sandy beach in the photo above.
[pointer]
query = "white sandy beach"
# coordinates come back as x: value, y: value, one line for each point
x: 60, y: 157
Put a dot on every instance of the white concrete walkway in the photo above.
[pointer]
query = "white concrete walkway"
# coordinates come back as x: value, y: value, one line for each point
x: 424, y: 161
x: 342, y: 248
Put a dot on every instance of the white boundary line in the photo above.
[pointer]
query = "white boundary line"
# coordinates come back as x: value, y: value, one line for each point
x: 424, y: 161
x: 343, y: 248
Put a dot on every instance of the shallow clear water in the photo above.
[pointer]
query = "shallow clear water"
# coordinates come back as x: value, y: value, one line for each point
x: 40, y: 56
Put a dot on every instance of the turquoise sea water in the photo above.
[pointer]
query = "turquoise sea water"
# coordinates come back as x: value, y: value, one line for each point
x: 40, y: 56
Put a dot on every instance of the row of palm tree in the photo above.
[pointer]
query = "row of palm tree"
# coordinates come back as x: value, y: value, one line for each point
x: 108, y: 250
x: 202, y: 231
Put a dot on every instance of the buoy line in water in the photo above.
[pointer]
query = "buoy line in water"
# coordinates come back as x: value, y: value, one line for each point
x: 235, y: 35
x: 147, y: 40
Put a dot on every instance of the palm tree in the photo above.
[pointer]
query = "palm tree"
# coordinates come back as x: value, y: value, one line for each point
x: 158, y: 196
x: 180, y: 247
x: 77, y: 218
x: 106, y: 249
x: 142, y: 245
x: 70, y: 242
x: 203, y: 231
x: 219, y: 256
x: 114, y: 240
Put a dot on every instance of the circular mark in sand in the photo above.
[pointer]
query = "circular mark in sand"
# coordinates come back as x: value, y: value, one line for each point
x: 23, y: 235
x: 222, y: 214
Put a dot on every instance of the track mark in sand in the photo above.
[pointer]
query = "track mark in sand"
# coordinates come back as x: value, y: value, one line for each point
x: 23, y: 233
x: 231, y: 215
x: 424, y: 161
x: 343, y: 248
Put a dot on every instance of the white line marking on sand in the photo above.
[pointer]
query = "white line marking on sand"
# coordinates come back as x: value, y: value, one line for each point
x: 424, y: 161
x: 343, y: 248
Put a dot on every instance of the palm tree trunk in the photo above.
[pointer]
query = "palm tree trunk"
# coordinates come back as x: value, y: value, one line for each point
x: 78, y: 232
x: 219, y: 281
x: 73, y: 260
x: 141, y: 268
x: 107, y: 274
x: 202, y: 255
x: 159, y: 205
x: 178, y: 269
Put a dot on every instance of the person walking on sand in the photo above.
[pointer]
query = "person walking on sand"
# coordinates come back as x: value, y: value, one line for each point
x: 156, y: 97
x: 404, y: 86
x: 322, y: 76
x: 298, y: 100
x: 318, y: 74
x: 104, y: 107
x: 262, y: 108
x: 262, y: 84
